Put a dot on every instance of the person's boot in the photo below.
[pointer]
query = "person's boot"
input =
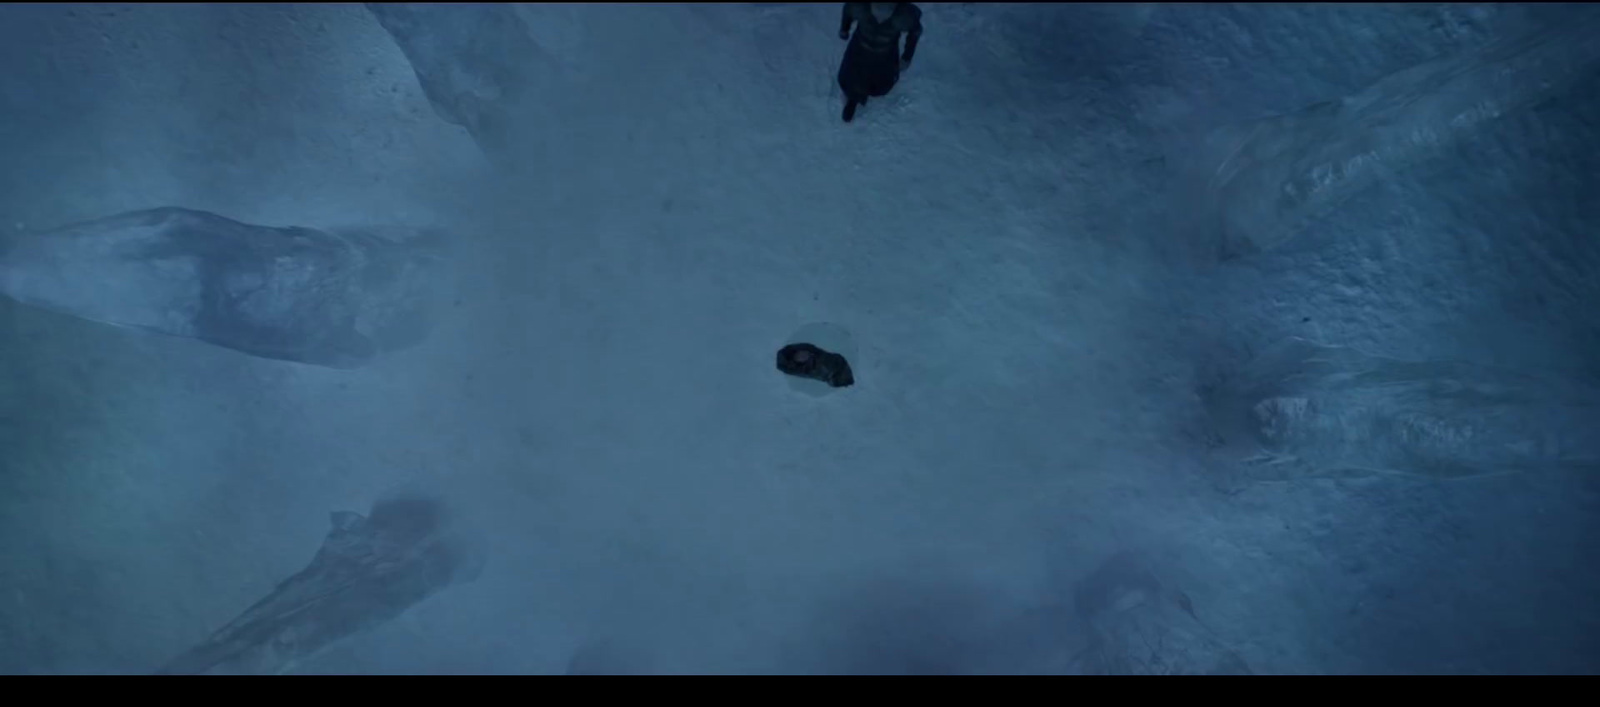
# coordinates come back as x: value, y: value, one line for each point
x: 850, y: 109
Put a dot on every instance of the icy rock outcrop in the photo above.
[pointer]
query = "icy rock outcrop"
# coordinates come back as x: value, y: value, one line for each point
x: 474, y: 62
x: 331, y: 298
x: 1140, y: 625
x: 1303, y: 410
x: 601, y: 658
x: 1266, y: 179
x: 369, y: 570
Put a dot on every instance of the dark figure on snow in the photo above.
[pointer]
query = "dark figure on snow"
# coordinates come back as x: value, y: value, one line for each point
x: 873, y: 61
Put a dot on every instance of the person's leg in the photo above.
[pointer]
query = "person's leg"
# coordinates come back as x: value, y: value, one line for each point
x: 850, y: 105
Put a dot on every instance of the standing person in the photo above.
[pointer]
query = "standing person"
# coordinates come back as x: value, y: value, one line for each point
x: 873, y: 60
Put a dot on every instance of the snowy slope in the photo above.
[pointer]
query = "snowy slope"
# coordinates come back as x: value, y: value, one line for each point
x: 663, y: 198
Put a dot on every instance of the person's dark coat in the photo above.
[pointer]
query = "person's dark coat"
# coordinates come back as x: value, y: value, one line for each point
x: 872, y: 61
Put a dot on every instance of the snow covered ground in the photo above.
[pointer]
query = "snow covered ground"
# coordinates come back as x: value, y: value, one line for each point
x: 1007, y: 238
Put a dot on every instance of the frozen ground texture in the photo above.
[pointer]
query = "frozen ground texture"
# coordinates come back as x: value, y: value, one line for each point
x: 1279, y: 172
x: 651, y: 199
x: 1310, y: 410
